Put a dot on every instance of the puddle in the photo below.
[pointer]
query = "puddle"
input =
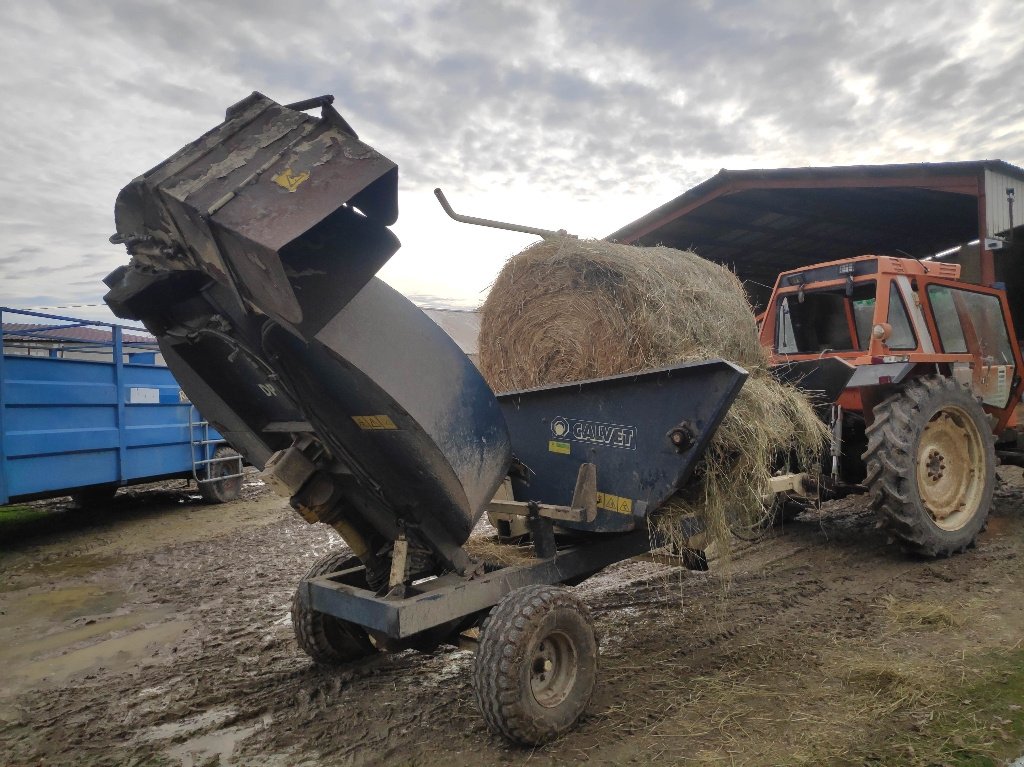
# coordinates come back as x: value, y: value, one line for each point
x: 61, y: 604
x: 57, y: 640
x: 201, y: 747
x: 189, y: 725
x: 217, y: 746
x: 28, y: 570
x: 121, y: 651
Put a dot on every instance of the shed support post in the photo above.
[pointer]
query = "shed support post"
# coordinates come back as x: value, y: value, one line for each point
x: 985, y: 257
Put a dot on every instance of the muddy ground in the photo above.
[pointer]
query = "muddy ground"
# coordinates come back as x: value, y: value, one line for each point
x: 157, y: 632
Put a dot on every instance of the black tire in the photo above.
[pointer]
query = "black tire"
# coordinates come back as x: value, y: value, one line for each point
x: 223, y: 490
x: 324, y: 638
x: 536, y: 665
x: 420, y: 562
x: 931, y: 466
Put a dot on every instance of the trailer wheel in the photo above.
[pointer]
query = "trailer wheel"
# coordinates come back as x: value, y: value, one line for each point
x: 324, y: 638
x: 420, y: 562
x: 536, y: 665
x: 222, y: 490
x: 931, y: 466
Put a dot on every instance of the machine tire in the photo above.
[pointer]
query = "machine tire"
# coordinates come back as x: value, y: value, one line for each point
x: 420, y: 562
x: 223, y: 490
x: 932, y: 508
x: 324, y: 638
x: 536, y: 665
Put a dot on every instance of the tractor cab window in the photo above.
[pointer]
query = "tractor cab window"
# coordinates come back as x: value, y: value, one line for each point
x: 836, y: 320
x: 972, y: 323
x: 902, y: 336
x: 966, y: 319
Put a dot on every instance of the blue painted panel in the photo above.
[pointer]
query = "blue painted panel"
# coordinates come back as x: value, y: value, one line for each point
x: 44, y: 392
x: 59, y: 472
x: 60, y: 370
x: 55, y: 441
x: 157, y: 434
x: 20, y: 419
x: 155, y: 461
x: 156, y: 375
x: 68, y: 424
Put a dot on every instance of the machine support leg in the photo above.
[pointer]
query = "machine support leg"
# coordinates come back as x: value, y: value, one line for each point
x: 543, y: 531
x: 399, y: 560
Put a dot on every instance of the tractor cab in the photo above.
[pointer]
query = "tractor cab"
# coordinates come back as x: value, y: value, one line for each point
x: 894, y: 319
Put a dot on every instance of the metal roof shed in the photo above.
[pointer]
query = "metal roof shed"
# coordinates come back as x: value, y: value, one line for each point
x: 761, y: 222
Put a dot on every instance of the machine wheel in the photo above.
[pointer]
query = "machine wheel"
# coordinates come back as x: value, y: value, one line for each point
x: 536, y: 665
x: 420, y: 562
x: 223, y: 490
x: 324, y: 638
x: 931, y: 466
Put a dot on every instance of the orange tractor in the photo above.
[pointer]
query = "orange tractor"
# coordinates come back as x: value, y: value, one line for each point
x: 919, y: 376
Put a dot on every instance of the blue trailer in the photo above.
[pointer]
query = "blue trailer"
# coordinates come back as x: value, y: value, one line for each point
x: 87, y: 407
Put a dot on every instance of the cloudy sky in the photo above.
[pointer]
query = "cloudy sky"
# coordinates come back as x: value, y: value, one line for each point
x: 579, y: 115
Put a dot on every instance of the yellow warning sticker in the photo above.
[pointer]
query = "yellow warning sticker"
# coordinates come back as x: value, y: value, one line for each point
x: 374, y: 422
x: 614, y: 503
x: 289, y: 180
x: 559, y: 447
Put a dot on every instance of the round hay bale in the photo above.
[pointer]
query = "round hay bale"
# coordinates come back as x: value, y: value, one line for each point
x: 568, y: 310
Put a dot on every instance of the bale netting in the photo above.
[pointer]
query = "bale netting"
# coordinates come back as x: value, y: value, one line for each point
x: 567, y: 310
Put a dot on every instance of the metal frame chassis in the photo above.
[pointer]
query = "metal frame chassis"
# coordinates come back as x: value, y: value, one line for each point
x: 452, y: 597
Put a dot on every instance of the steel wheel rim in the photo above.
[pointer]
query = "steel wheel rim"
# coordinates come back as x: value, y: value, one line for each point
x: 950, y: 478
x: 553, y: 669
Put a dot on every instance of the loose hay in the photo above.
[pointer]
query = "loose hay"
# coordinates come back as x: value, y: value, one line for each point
x: 568, y: 310
x: 922, y: 614
x: 490, y: 550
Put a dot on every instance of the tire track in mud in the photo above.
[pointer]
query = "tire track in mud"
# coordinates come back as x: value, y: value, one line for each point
x: 818, y: 583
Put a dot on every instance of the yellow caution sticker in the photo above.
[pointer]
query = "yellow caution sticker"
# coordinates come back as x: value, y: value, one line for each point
x: 562, y: 448
x: 374, y: 422
x: 289, y: 180
x: 615, y: 503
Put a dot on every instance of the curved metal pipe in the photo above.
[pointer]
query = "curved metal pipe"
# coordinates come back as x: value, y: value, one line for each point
x: 544, y: 233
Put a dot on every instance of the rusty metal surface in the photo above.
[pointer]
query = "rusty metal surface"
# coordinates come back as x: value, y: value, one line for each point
x: 230, y: 202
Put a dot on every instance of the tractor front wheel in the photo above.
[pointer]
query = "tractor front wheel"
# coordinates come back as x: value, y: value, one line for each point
x: 931, y: 466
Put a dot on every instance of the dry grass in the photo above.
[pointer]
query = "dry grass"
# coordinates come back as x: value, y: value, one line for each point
x: 568, y: 310
x: 491, y: 551
x: 934, y: 615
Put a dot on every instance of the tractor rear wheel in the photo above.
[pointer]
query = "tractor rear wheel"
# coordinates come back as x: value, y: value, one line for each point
x: 324, y: 638
x: 536, y: 665
x: 931, y: 466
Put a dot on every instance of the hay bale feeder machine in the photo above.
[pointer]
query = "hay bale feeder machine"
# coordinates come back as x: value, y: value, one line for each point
x: 253, y: 255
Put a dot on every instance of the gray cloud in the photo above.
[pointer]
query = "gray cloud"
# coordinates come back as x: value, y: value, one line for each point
x: 578, y: 100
